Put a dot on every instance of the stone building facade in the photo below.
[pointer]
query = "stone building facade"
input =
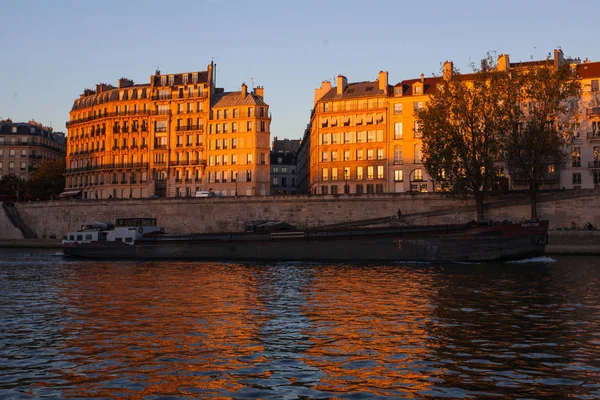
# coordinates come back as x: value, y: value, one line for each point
x: 25, y: 145
x: 159, y: 139
x: 363, y: 137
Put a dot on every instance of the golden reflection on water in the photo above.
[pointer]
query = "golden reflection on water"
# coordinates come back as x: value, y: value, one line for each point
x: 200, y: 330
x: 369, y: 330
x: 166, y: 333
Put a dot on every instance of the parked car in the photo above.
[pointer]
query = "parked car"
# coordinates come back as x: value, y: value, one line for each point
x: 204, y: 193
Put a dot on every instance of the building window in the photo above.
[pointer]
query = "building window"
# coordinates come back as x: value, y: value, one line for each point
x: 348, y: 137
x: 398, y: 91
x: 418, y: 175
x: 334, y: 175
x: 577, y: 178
x: 576, y: 156
x: 359, y: 172
x: 398, y: 177
x: 417, y: 105
x: 324, y: 156
x: 163, y: 80
x: 418, y: 133
x: 346, y: 155
x: 359, y: 154
x: 370, y: 170
x: 334, y: 155
x: 397, y: 154
x: 398, y: 107
x: 370, y: 154
x: 595, y: 86
x: 249, y: 126
x: 418, y: 154
x: 249, y: 158
x: 380, y: 154
x: 398, y: 130
x: 263, y: 126
x: 234, y: 127
x: 380, y: 172
x: 325, y: 174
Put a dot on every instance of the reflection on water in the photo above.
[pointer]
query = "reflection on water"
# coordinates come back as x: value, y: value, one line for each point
x: 289, y: 330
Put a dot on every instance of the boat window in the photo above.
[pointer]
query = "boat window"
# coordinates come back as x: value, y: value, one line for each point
x: 128, y: 240
x: 88, y: 236
x: 79, y: 237
x: 71, y: 237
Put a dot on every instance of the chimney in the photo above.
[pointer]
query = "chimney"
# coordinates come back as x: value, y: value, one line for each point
x: 124, y: 82
x: 342, y: 83
x: 320, y: 92
x: 383, y: 81
x: 448, y: 70
x: 244, y: 90
x: 503, y: 62
x: 559, y: 60
x: 260, y: 92
x: 422, y: 77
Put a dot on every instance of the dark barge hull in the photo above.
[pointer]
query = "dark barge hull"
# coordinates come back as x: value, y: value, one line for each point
x: 468, y: 242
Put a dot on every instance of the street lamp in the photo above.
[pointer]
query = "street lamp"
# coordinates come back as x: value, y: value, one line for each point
x: 236, y: 185
x: 130, y: 183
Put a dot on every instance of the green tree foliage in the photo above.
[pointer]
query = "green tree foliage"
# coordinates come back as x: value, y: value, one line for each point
x: 462, y: 129
x: 546, y: 122
x: 9, y: 187
x: 48, y: 181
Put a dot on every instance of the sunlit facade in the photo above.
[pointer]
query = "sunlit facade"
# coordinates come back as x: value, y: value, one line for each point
x: 363, y: 137
x: 140, y: 140
x: 347, y: 149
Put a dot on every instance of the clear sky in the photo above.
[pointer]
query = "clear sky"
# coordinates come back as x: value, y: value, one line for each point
x: 53, y: 49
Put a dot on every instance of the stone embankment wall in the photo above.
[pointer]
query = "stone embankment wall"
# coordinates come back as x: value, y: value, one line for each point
x: 7, y: 229
x: 229, y: 214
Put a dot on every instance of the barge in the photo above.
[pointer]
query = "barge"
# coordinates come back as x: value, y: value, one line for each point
x: 143, y: 239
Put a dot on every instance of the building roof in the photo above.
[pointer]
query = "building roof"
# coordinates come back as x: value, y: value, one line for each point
x: 232, y: 99
x: 356, y: 89
x: 178, y: 78
x: 429, y: 85
x: 589, y: 70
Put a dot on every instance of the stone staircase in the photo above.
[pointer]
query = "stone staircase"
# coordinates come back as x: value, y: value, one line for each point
x: 13, y: 215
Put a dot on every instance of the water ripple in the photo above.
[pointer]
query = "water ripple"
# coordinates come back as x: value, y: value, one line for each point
x: 298, y: 330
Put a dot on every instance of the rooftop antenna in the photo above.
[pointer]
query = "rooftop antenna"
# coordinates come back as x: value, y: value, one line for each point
x: 252, y: 80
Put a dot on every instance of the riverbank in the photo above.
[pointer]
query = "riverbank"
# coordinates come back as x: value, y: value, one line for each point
x: 568, y: 242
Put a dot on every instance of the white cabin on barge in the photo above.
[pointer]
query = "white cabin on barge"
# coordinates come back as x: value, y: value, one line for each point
x: 126, y: 230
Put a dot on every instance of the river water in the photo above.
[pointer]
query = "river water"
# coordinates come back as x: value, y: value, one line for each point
x: 298, y: 330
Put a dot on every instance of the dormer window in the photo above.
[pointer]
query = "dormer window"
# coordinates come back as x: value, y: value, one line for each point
x: 398, y: 91
x: 163, y: 80
x: 171, y: 80
x: 185, y: 79
x: 418, y: 90
x: 194, y: 77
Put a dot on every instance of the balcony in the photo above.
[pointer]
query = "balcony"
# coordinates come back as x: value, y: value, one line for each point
x: 160, y: 146
x: 593, y: 135
x: 162, y: 97
x: 594, y: 164
x: 179, y: 162
x: 593, y: 111
x: 188, y: 128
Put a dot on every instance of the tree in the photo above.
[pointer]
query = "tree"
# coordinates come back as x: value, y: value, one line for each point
x: 48, y: 181
x: 462, y: 127
x: 547, y: 122
x: 9, y: 187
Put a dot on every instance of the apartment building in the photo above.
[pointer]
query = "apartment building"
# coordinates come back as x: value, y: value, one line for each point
x: 348, y: 135
x: 140, y: 140
x: 26, y: 145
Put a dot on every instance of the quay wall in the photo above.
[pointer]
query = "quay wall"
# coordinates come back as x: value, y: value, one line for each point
x: 227, y: 214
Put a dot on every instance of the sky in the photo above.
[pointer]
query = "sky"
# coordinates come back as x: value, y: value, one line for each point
x: 53, y: 49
